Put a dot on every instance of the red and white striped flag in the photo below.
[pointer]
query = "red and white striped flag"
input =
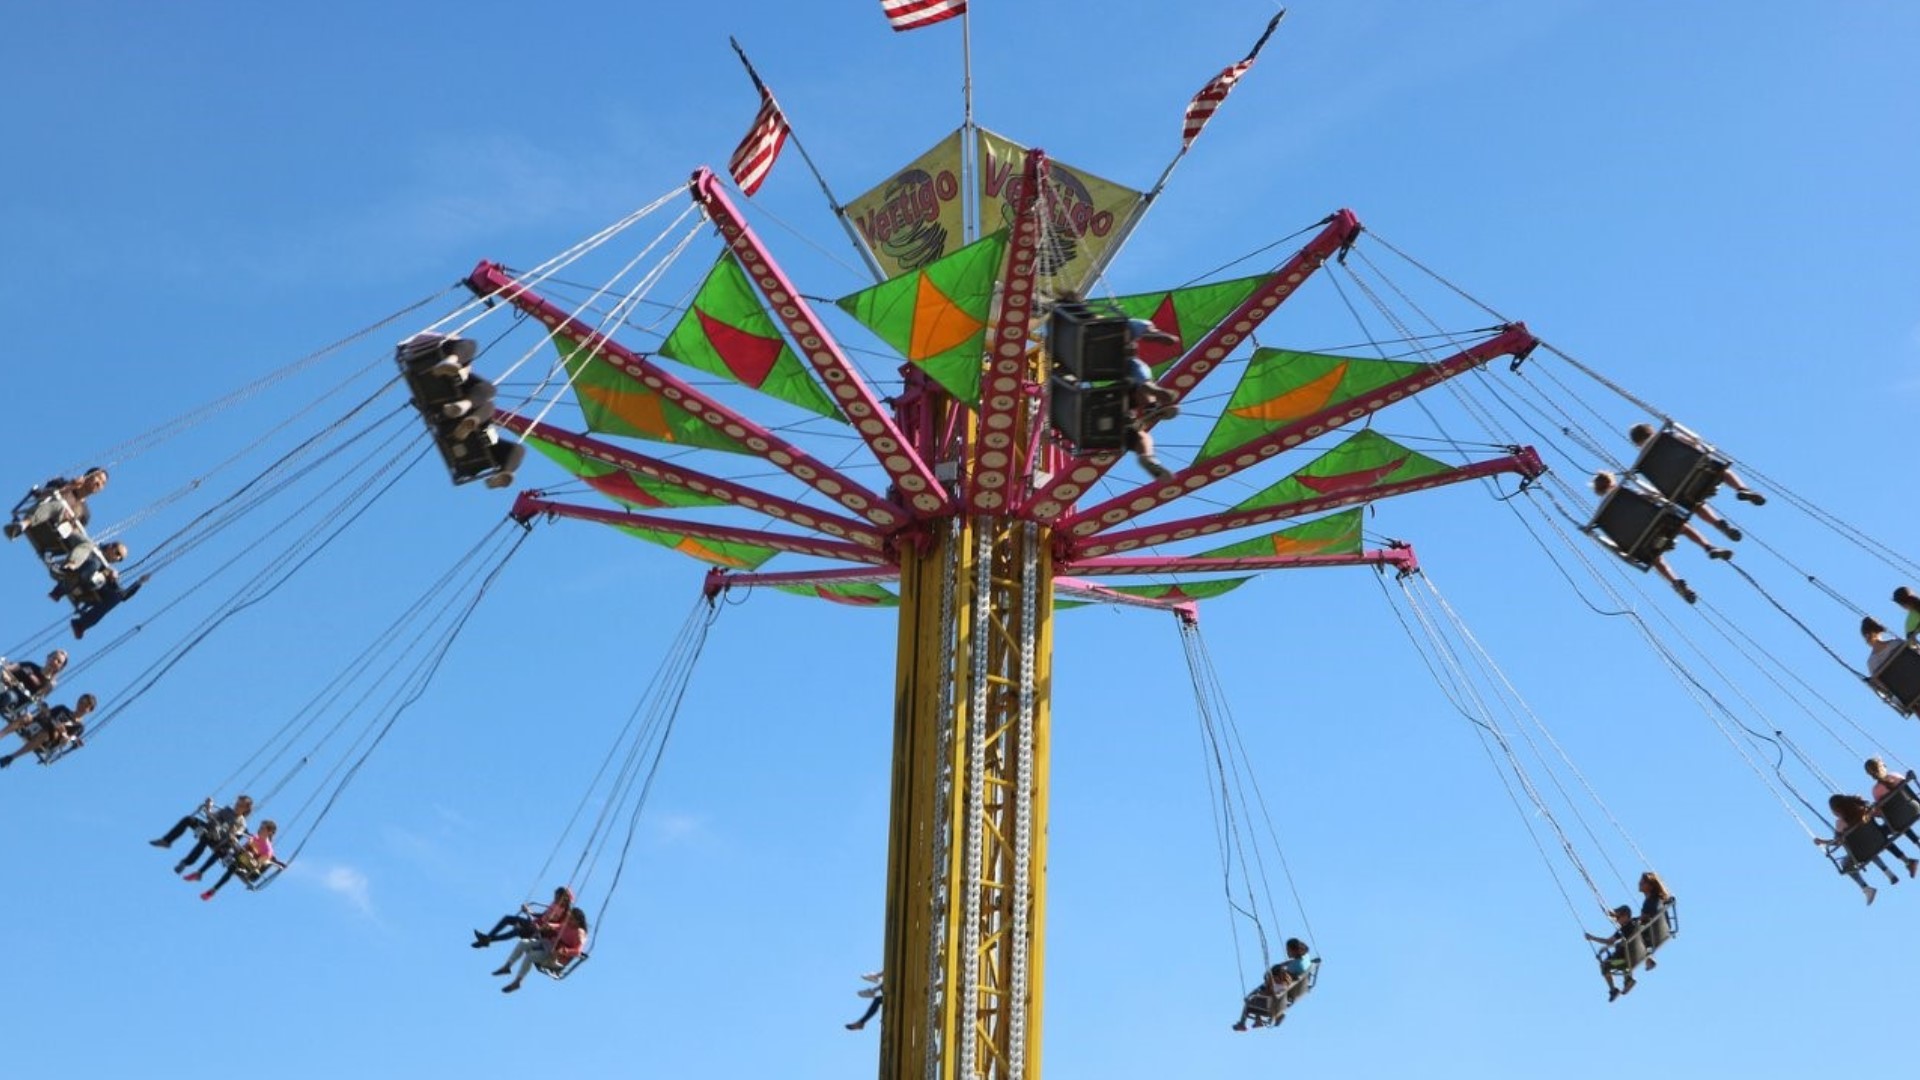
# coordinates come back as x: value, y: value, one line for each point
x: 753, y: 158
x: 1200, y: 109
x: 914, y: 14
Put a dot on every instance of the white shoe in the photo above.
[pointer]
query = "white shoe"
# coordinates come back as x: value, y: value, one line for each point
x: 867, y: 993
x: 872, y: 976
x: 453, y: 410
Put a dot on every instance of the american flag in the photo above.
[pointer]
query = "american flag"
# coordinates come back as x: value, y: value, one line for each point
x: 914, y: 14
x: 1200, y: 109
x: 753, y: 158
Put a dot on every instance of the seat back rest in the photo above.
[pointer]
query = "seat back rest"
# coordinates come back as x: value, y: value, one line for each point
x: 1864, y: 842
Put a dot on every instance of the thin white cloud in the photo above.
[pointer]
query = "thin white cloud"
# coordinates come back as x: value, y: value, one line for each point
x: 347, y: 882
x: 676, y: 828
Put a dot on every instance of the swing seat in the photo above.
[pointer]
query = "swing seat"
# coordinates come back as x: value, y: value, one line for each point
x: 1637, y: 524
x: 1660, y: 928
x: 1092, y: 419
x: 557, y: 972
x: 468, y: 459
x: 1267, y: 1009
x: 1859, y: 847
x: 51, y: 754
x: 83, y: 589
x: 1899, y: 808
x: 56, y: 537
x: 1898, y: 681
x: 1681, y: 466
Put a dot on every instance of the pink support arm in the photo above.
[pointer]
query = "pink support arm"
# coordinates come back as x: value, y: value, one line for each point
x: 1526, y: 462
x: 891, y: 448
x: 679, y: 476
x: 1513, y: 340
x: 489, y: 279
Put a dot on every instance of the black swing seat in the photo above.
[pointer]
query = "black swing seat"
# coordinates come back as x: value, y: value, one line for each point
x: 1860, y: 846
x: 1639, y: 944
x: 52, y: 530
x: 1266, y: 1009
x: 1681, y: 466
x: 1899, y: 808
x: 468, y: 459
x: 15, y: 702
x: 84, y: 587
x: 1637, y: 523
x: 1897, y: 680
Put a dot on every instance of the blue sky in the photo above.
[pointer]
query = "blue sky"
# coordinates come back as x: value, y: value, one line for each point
x: 1713, y: 206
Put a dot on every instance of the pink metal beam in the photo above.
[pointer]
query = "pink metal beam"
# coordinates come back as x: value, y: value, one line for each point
x: 1079, y: 475
x: 1513, y: 340
x: 1525, y: 461
x: 806, y: 517
x: 855, y: 576
x: 1400, y: 558
x: 490, y: 279
x: 1004, y: 384
x: 530, y: 504
x: 1075, y: 589
x: 912, y: 475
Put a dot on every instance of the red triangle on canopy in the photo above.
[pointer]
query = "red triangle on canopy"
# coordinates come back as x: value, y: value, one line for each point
x: 620, y: 486
x: 749, y: 356
x: 1328, y: 485
x: 1166, y: 319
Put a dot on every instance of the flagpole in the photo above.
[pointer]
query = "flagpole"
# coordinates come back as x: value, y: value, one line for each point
x: 1146, y: 201
x: 969, y: 157
x: 839, y: 212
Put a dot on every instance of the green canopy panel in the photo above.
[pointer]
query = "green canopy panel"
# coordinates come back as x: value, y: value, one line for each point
x: 1280, y: 386
x: 1173, y: 594
x: 854, y: 595
x: 1335, y: 534
x: 936, y: 316
x: 622, y: 486
x: 730, y: 554
x: 1366, y: 460
x: 615, y: 403
x: 727, y: 333
x: 1188, y: 314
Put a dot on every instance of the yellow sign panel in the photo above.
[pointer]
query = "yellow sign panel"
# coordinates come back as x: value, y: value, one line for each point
x: 913, y: 217
x: 1087, y: 214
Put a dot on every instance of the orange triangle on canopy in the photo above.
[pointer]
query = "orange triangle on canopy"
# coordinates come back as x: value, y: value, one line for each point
x: 1292, y: 545
x: 939, y: 324
x: 1297, y: 402
x: 689, y: 546
x: 643, y: 410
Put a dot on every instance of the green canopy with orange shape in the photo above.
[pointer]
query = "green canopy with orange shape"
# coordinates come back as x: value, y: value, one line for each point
x: 726, y: 332
x: 1335, y: 534
x: 1281, y: 386
x: 1188, y: 314
x: 621, y: 485
x: 1173, y: 594
x: 730, y: 554
x: 1367, y: 460
x: 858, y: 594
x: 936, y: 316
x: 616, y: 403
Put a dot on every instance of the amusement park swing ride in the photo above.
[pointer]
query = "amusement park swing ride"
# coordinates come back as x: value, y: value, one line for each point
x: 994, y: 491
